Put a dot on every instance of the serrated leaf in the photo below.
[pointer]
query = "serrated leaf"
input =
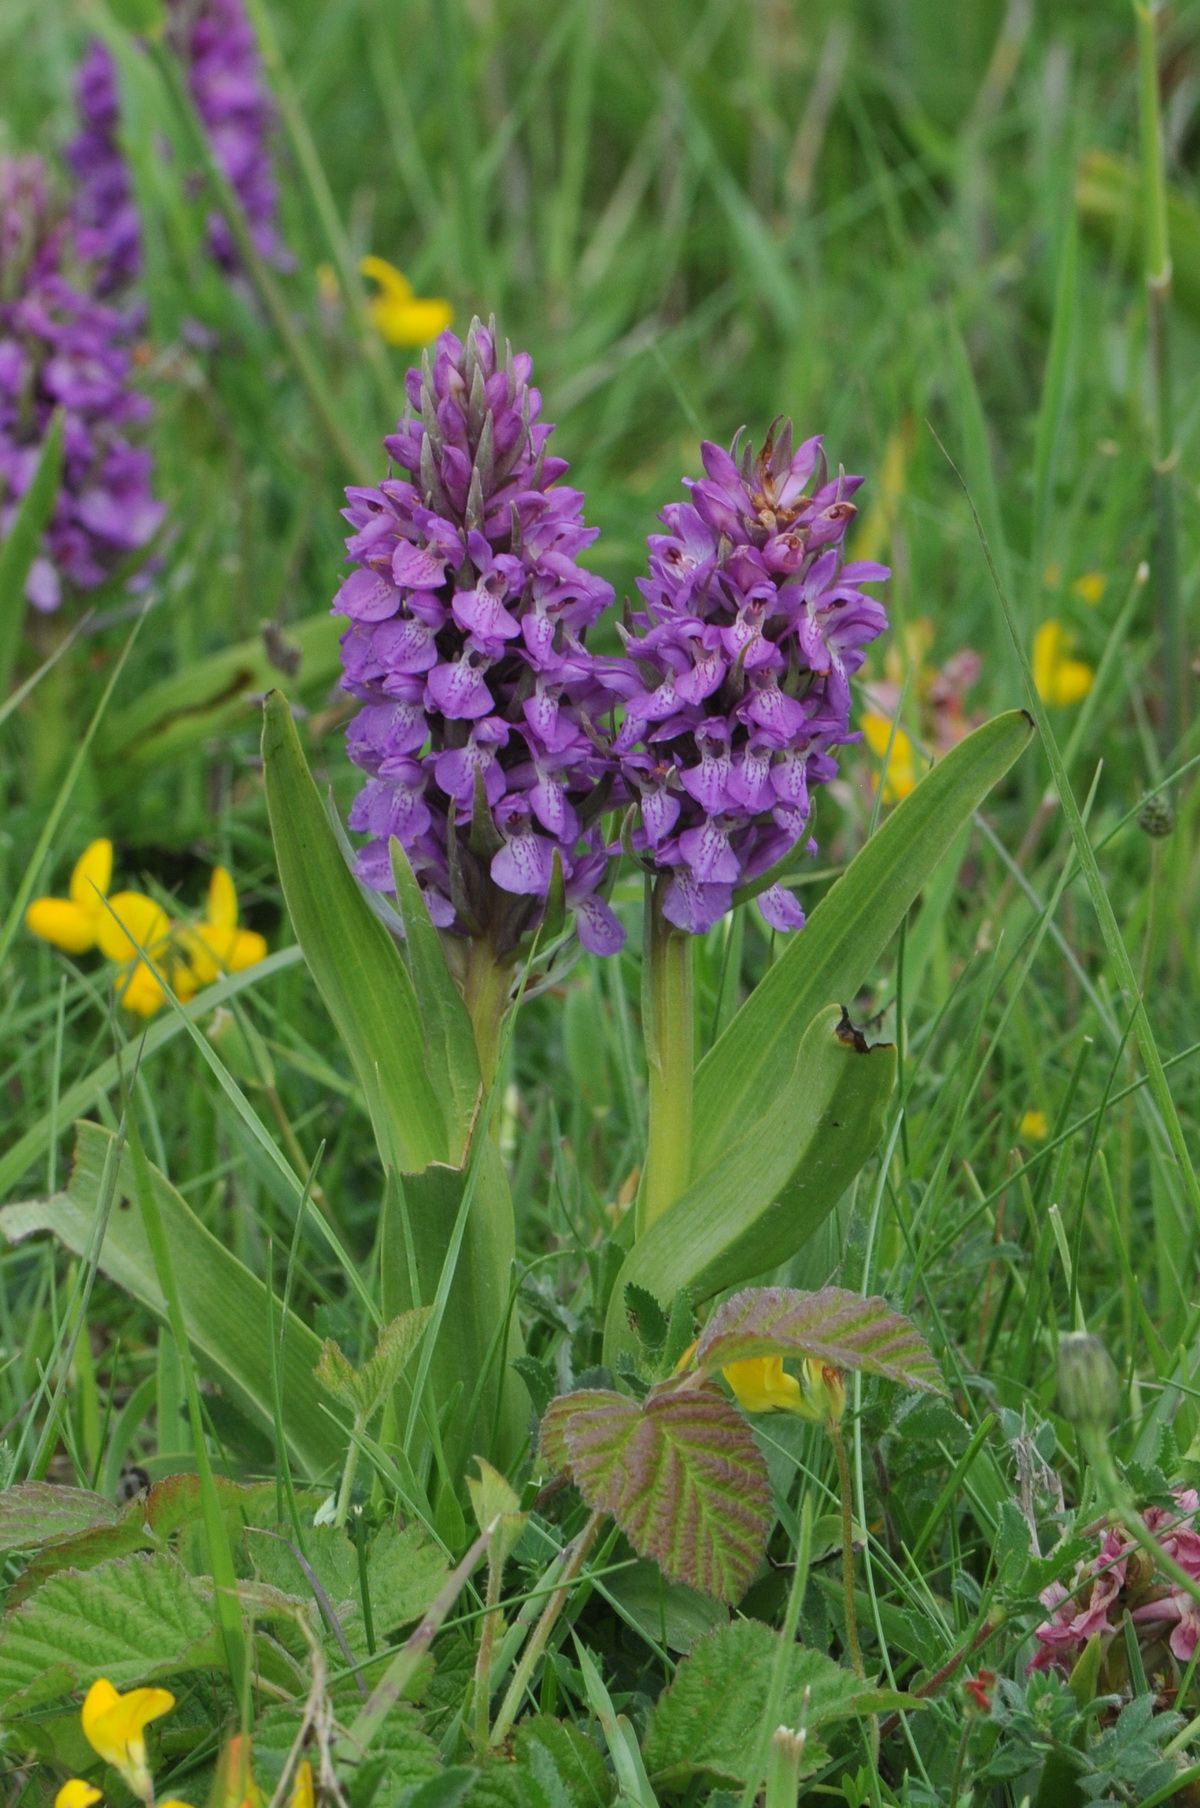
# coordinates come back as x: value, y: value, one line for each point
x: 133, y: 1620
x: 647, y: 1318
x: 706, y: 1722
x: 827, y: 962
x: 680, y: 1473
x: 365, y: 1389
x: 832, y: 1325
x: 37, y: 1513
x: 538, y: 1379
x: 576, y: 1759
x: 145, y: 1522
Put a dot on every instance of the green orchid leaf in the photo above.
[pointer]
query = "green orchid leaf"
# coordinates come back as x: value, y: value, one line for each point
x: 20, y: 545
x: 217, y: 695
x: 358, y: 969
x: 832, y: 1325
x: 449, y: 1038
x: 224, y: 1305
x: 680, y: 1473
x: 774, y: 1184
x: 828, y: 959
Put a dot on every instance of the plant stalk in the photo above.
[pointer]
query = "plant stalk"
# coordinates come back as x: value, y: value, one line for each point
x: 846, y: 1490
x: 511, y: 1705
x: 492, y: 1620
x: 486, y: 987
x: 1164, y: 452
x: 669, y: 1017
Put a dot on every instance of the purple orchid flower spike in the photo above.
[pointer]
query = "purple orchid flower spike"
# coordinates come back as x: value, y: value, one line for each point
x: 736, y: 683
x: 482, y: 714
x: 61, y: 349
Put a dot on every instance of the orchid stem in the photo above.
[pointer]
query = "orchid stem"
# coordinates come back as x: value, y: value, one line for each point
x: 486, y: 987
x: 668, y: 1015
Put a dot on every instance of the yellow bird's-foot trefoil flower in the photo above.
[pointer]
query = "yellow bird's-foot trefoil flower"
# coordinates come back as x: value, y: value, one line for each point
x: 1059, y: 678
x: 73, y: 923
x: 114, y: 1725
x: 762, y: 1384
x: 75, y: 1793
x: 1035, y: 1126
x: 398, y: 315
x: 217, y: 945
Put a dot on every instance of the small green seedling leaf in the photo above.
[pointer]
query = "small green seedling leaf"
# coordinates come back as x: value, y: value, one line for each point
x: 364, y: 1390
x: 494, y: 1502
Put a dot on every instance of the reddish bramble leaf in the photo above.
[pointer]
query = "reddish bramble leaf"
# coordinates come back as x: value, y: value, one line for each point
x: 680, y: 1473
x: 833, y: 1325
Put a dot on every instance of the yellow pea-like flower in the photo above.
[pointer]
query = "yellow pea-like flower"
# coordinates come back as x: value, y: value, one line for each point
x: 1059, y: 678
x: 1035, y: 1126
x: 131, y: 923
x: 72, y: 923
x: 398, y: 315
x: 762, y: 1384
x: 75, y: 1793
x: 901, y: 775
x: 302, y: 1788
x: 218, y: 945
x: 114, y: 1725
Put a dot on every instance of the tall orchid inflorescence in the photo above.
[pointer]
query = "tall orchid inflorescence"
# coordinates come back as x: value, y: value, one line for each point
x: 481, y: 725
x: 216, y: 45
x: 60, y: 348
x: 737, y: 682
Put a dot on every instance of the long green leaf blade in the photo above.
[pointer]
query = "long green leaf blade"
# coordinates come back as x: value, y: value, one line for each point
x: 828, y: 960
x: 358, y: 970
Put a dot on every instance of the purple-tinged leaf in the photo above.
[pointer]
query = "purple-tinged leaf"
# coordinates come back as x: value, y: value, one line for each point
x: 680, y: 1473
x: 833, y: 1325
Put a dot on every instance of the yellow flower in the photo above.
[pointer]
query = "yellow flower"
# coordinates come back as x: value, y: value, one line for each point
x: 136, y: 922
x: 217, y: 945
x: 398, y: 315
x: 1035, y: 1126
x: 114, y: 1726
x: 1091, y: 587
x: 901, y: 777
x: 761, y: 1384
x: 75, y: 1793
x: 302, y: 1788
x: 1058, y: 677
x: 73, y: 923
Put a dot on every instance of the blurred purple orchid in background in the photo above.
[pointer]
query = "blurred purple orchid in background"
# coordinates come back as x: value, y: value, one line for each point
x: 216, y: 45
x: 737, y: 678
x: 62, y: 349
x: 482, y: 707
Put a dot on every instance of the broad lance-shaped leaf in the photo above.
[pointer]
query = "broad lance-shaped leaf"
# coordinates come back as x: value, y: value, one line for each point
x: 19, y: 547
x: 680, y: 1473
x: 224, y: 1305
x: 217, y: 695
x: 773, y: 1185
x: 707, y: 1721
x: 827, y: 961
x: 832, y: 1325
x: 358, y: 969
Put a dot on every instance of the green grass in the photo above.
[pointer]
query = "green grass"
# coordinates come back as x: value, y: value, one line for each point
x: 694, y: 217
